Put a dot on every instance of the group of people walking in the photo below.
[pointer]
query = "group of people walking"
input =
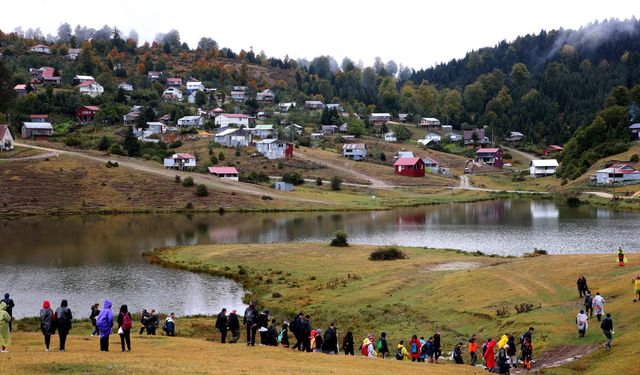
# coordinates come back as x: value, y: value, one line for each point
x: 596, y: 303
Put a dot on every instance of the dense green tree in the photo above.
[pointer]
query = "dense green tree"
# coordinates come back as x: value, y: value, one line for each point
x: 130, y: 143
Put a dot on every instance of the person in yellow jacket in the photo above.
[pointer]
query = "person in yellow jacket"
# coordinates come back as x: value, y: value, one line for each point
x: 402, y: 354
x: 503, y: 341
x: 636, y: 288
x: 622, y: 259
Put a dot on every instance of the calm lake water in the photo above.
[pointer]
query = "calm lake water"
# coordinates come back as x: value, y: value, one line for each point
x: 86, y: 259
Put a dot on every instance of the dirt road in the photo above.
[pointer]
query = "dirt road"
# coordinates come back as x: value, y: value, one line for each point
x: 344, y: 167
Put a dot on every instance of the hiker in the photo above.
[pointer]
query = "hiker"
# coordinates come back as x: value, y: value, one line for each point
x: 598, y: 305
x: 367, y: 349
x: 5, y: 322
x: 457, y: 354
x: 296, y: 325
x: 511, y: 351
x: 221, y: 325
x: 383, y: 347
x: 169, y: 326
x: 503, y: 361
x: 124, y: 327
x: 588, y: 303
x: 317, y: 341
x: 582, y: 285
x: 263, y: 326
x: 250, y: 320
x: 153, y: 323
x: 47, y: 323
x: 636, y: 288
x: 144, y: 320
x: 234, y: 326
x: 423, y: 355
x: 95, y: 311
x: 63, y: 322
x: 414, y: 348
x: 489, y: 356
x: 272, y: 334
x: 581, y: 321
x: 401, y: 352
x: 437, y: 347
x: 607, y: 329
x: 527, y: 352
x: 10, y: 305
x: 283, y: 337
x: 503, y: 341
x: 347, y: 344
x: 428, y: 349
x: 104, y: 322
x: 305, y: 333
x: 621, y: 258
x: 473, y: 348
x: 330, y: 345
x: 528, y: 335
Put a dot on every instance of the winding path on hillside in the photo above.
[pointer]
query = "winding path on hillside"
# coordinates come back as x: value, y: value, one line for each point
x: 210, y: 181
x: 344, y: 167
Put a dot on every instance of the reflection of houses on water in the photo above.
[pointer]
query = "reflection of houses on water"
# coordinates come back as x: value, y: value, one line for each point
x: 227, y: 234
x: 486, y: 213
x: 411, y: 220
x: 544, y: 210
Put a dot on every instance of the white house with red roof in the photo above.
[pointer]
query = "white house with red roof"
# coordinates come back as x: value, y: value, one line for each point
x: 21, y: 89
x: 90, y: 88
x: 6, y: 139
x: 229, y: 173
x: 238, y: 119
x: 180, y: 161
x: 618, y: 173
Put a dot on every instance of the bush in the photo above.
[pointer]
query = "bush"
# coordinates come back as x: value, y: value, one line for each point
x: 536, y: 253
x: 177, y: 179
x: 293, y: 178
x: 237, y: 152
x: 201, y: 190
x: 104, y: 144
x: 634, y: 158
x: 507, y: 156
x: 254, y: 178
x: 318, y: 181
x: 214, y: 159
x: 339, y: 239
x: 72, y: 141
x: 187, y: 182
x: 387, y: 253
x: 175, y: 144
x: 189, y: 206
x: 221, y: 156
x: 276, y: 295
x: 336, y: 183
x: 573, y: 202
x: 117, y: 150
x: 280, y: 165
x: 305, y: 141
x: 112, y: 164
x: 266, y: 198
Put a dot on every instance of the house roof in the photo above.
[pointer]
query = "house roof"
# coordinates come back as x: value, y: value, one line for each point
x: 174, y: 79
x: 487, y: 150
x: 194, y: 83
x: 20, y: 87
x: 182, y: 156
x: 218, y: 110
x: 391, y: 134
x: 263, y: 127
x: 39, y: 46
x: 380, y: 115
x: 428, y: 160
x: 155, y: 123
x: 354, y: 146
x: 91, y: 107
x: 469, y: 133
x: 516, y: 134
x: 47, y: 72
x: 235, y: 115
x: 38, y: 125
x: 3, y: 130
x: 407, y: 161
x: 544, y: 163
x: 190, y: 118
x: 227, y: 132
x: 38, y: 116
x: 86, y: 83
x: 432, y: 135
x: 429, y: 119
x: 618, y: 170
x: 316, y: 102
x: 79, y: 77
x: 264, y: 141
x: 556, y: 147
x: 635, y: 126
x: 223, y: 170
x: 405, y: 154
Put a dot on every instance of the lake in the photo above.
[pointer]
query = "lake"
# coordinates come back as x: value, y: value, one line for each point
x: 86, y: 259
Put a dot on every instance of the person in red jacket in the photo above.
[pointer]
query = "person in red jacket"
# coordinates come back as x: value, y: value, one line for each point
x: 489, y: 355
x: 414, y: 348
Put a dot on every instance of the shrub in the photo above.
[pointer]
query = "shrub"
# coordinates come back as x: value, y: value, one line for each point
x: 189, y: 206
x: 237, y: 152
x: 383, y: 157
x: 318, y: 181
x: 187, y: 182
x: 177, y: 179
x: 387, y: 253
x: 202, y: 191
x: 634, y: 158
x: 536, y: 253
x: 254, y: 178
x: 175, y: 144
x: 523, y: 308
x: 104, y: 144
x: 266, y: 198
x: 336, y: 183
x: 293, y: 178
x: 503, y: 312
x: 214, y: 159
x: 72, y: 141
x: 276, y: 295
x: 280, y: 165
x: 573, y: 202
x: 221, y: 156
x: 507, y: 156
x: 112, y: 164
x: 339, y: 239
x: 117, y: 150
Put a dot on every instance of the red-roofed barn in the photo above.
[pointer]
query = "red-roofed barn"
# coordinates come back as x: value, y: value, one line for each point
x: 410, y: 167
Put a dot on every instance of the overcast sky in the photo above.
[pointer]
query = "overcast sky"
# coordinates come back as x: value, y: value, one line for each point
x: 415, y: 33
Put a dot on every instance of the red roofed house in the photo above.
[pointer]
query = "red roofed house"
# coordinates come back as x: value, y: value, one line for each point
x: 174, y: 81
x: 47, y: 75
x: 6, y: 139
x: 230, y: 173
x: 552, y: 149
x: 86, y: 113
x: 21, y: 89
x: 91, y: 88
x: 481, y: 138
x: 180, y: 161
x: 489, y: 156
x: 410, y: 167
x: 39, y: 118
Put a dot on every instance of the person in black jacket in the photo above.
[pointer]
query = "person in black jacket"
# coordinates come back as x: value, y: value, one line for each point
x: 63, y: 322
x: 457, y: 354
x: 305, y: 333
x: 222, y: 325
x: 10, y: 305
x: 330, y: 344
x: 234, y: 326
x: 153, y: 323
x: 250, y: 320
x: 295, y: 327
x: 437, y: 348
x: 144, y: 320
x: 607, y: 329
x: 511, y: 351
x: 47, y: 323
x: 95, y: 311
x: 383, y: 346
x: 347, y: 343
x: 263, y: 327
x: 582, y: 285
x: 125, y: 322
x: 272, y: 334
x: 588, y: 304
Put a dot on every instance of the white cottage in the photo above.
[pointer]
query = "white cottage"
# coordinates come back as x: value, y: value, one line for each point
x: 190, y: 122
x: 543, y: 167
x: 180, y: 161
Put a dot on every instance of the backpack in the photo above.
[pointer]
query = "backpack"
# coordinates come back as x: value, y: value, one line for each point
x: 423, y: 349
x: 414, y: 347
x: 126, y: 322
x: 379, y: 344
x: 280, y: 336
x: 364, y: 349
x: 165, y: 326
x: 399, y: 355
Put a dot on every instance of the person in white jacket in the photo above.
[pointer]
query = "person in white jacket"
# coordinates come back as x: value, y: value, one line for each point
x: 598, y: 305
x: 581, y: 321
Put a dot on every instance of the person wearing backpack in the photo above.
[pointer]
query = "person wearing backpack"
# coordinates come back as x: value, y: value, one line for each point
x: 607, y: 329
x: 457, y: 354
x: 295, y: 326
x: 234, y: 326
x: 511, y: 351
x: 250, y: 321
x: 401, y: 352
x: 169, y: 326
x: 124, y: 327
x: 588, y: 303
x: 47, y: 323
x: 367, y: 348
x: 221, y: 325
x: 95, y: 311
x: 10, y: 305
x: 428, y: 349
x: 348, y: 344
x: 598, y: 305
x: 503, y: 360
x: 63, y: 319
x: 582, y: 285
x: 581, y: 321
x: 414, y: 348
x: 330, y: 345
x: 153, y: 323
x: 437, y: 346
x: 283, y: 337
x: 144, y: 320
x: 383, y: 347
x: 423, y: 355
